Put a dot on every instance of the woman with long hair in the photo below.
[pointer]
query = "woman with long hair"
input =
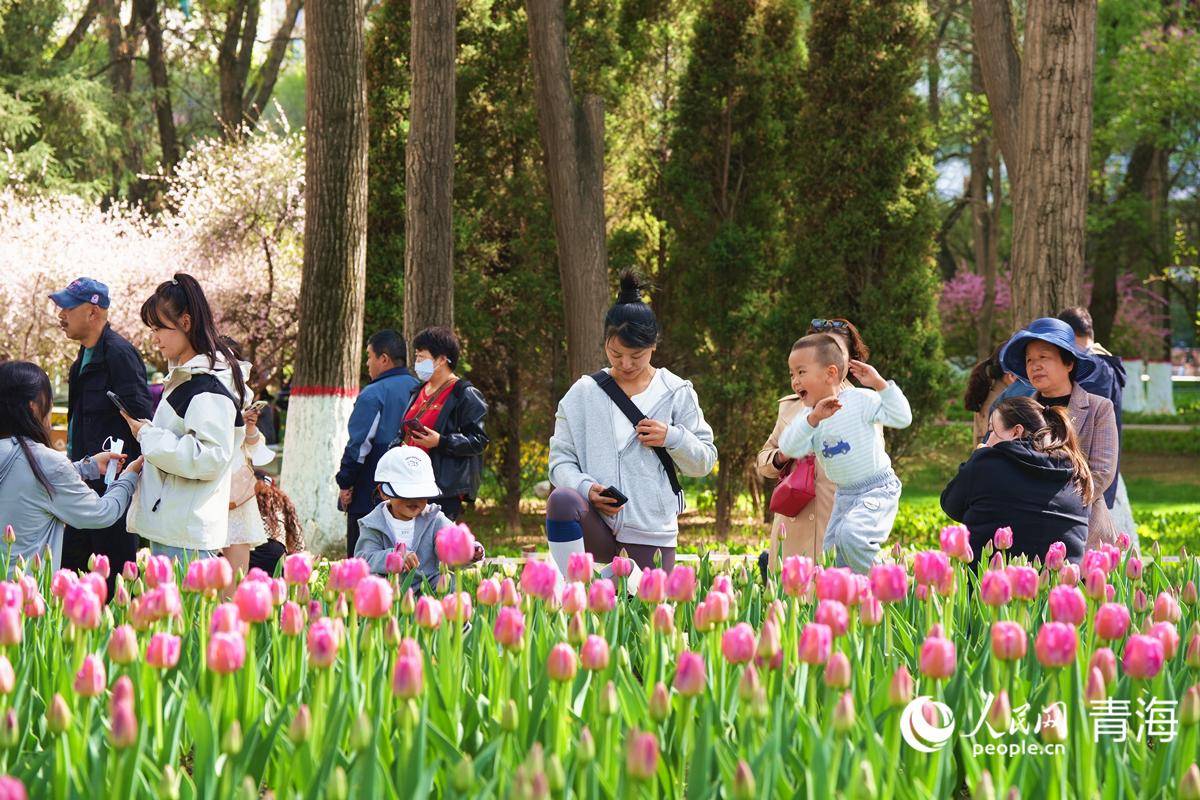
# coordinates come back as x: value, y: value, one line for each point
x: 984, y: 385
x: 195, y: 440
x: 41, y: 491
x: 1030, y: 476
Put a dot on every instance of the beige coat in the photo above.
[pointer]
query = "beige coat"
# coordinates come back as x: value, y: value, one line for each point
x: 802, y: 535
x: 1095, y: 424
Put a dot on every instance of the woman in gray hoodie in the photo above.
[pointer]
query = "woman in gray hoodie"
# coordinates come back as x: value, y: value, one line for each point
x: 598, y: 455
x: 41, y: 491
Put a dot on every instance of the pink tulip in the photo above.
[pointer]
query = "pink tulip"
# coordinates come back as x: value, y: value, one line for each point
x: 1123, y: 541
x: 8, y: 676
x: 956, y: 542
x: 1134, y: 569
x: 834, y: 615
x: 11, y: 628
x: 91, y: 680
x: 652, y: 588
x: 931, y: 568
x: 324, y: 639
x: 63, y: 579
x: 1112, y: 621
x: 226, y: 652
x: 509, y: 596
x: 130, y: 571
x: 82, y: 607
x: 1143, y: 658
x: 1166, y: 633
x: 843, y: 713
x: 539, y: 579
x: 902, y: 688
x: 393, y: 562
x: 164, y: 601
x: 193, y: 578
x: 594, y: 654
x: 1140, y: 603
x: 797, y: 575
x: 622, y: 567
x: 428, y: 613
x: 218, y: 573
x: 737, y: 643
x: 455, y: 545
x: 488, y: 592
x: 837, y: 671
x: 457, y: 607
x: 580, y: 567
x: 345, y: 575
x: 1095, y: 690
x: 123, y: 732
x: 35, y: 607
x: 641, y: 755
x: 1190, y: 594
x: 1068, y: 575
x: 29, y: 588
x: 663, y: 618
x: 837, y: 584
x: 690, y: 674
x: 253, y: 601
x: 1009, y: 641
x: 408, y: 677
x: 1105, y: 661
x: 162, y: 652
x: 1023, y: 581
x: 870, y: 612
x: 1056, y: 644
x: 1166, y: 608
x: 159, y: 570
x: 372, y: 597
x: 816, y: 643
x: 1003, y: 538
x: 574, y: 598
x: 700, y: 620
x: 291, y: 619
x: 681, y: 584
x: 1067, y: 605
x: 1096, y: 584
x: 724, y: 585
x: 509, y: 629
x: 602, y: 597
x: 297, y: 568
x: 122, y: 645
x: 12, y: 789
x: 226, y: 619
x: 938, y: 657
x: 1192, y: 656
x: 994, y: 588
x: 889, y: 583
x: 561, y: 664
x: 719, y: 607
x: 769, y: 643
x: 1056, y: 556
x: 100, y: 565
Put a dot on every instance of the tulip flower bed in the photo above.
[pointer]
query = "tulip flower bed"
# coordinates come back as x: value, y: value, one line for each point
x: 922, y: 680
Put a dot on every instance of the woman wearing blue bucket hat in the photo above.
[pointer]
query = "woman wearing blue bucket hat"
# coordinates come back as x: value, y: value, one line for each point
x: 1045, y: 354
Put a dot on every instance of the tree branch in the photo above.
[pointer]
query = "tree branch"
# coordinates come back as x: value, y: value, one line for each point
x: 78, y: 32
x: 268, y: 73
x: 995, y: 46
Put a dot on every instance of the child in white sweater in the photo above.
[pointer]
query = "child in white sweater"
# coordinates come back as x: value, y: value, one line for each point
x: 844, y: 427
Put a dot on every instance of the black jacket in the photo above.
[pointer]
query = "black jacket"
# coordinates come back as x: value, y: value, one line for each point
x: 117, y: 367
x: 458, y: 458
x: 1011, y: 484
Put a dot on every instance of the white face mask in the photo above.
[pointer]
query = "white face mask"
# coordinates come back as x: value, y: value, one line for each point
x: 424, y: 369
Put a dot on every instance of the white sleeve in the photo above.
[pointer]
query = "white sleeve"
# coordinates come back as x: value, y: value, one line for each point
x: 205, y: 450
x: 892, y: 409
x: 797, y: 439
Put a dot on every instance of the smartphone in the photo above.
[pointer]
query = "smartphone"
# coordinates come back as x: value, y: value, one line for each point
x: 117, y: 402
x: 615, y: 494
x: 258, y: 405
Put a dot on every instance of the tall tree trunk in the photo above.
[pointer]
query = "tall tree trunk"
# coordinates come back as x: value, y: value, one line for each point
x: 122, y: 44
x: 264, y: 83
x: 981, y: 224
x: 333, y: 281
x: 429, y: 170
x: 1042, y: 112
x: 156, y: 56
x: 512, y: 447
x: 229, y: 83
x: 572, y: 135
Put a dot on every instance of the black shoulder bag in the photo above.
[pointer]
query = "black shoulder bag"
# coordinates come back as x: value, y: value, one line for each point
x: 635, y: 415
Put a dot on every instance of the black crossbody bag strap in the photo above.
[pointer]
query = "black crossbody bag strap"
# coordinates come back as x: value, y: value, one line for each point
x: 635, y: 415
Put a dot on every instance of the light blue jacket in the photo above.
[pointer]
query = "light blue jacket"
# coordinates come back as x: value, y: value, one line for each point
x: 375, y: 539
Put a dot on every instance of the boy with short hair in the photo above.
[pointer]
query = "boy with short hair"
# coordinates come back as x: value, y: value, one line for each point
x: 404, y: 478
x: 844, y: 427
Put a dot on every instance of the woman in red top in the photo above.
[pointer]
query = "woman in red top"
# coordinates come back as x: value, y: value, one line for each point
x: 445, y: 418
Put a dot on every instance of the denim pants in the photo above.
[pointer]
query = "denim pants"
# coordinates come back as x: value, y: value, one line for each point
x: 181, y: 554
x: 862, y: 518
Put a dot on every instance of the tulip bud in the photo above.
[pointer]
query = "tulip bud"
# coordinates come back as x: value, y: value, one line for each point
x: 1000, y: 714
x: 641, y: 755
x: 586, y: 752
x: 985, y: 789
x: 301, y: 727
x: 1053, y: 725
x: 231, y: 741
x: 837, y: 671
x: 1140, y: 603
x: 508, y: 717
x: 759, y: 709
x: 408, y: 604
x: 556, y: 777
x: 463, y: 776
x: 10, y: 730
x: 749, y: 684
x: 339, y: 787
x: 168, y: 784
x: 1096, y: 690
x: 58, y: 716
x: 8, y: 678
x: 1188, y: 595
x: 1189, y: 786
x: 743, y: 782
x: 843, y: 713
x: 660, y: 702
x: 609, y: 702
x: 248, y: 790
x: 866, y: 777
x: 902, y: 688
x: 1189, y: 706
x: 576, y: 629
x: 361, y: 732
x: 10, y: 535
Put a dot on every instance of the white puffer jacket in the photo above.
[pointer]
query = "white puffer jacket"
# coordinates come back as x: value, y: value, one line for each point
x: 191, y: 449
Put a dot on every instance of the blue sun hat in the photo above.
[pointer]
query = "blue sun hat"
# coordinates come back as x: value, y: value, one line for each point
x: 1055, y: 332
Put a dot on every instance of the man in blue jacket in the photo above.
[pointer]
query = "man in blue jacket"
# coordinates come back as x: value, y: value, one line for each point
x: 374, y: 423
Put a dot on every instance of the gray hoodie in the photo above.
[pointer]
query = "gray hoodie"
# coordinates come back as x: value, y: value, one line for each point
x: 375, y: 539
x: 582, y: 452
x: 37, y: 516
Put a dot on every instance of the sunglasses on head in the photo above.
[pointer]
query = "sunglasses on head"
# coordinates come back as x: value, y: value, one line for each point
x: 829, y: 324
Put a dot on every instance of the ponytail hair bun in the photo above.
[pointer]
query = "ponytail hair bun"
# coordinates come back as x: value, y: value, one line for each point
x: 630, y: 319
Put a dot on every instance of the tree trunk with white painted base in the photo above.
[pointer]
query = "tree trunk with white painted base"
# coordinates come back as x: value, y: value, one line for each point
x: 329, y: 345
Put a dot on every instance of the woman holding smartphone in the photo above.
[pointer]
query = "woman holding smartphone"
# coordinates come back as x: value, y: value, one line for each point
x: 195, y: 440
x: 617, y: 482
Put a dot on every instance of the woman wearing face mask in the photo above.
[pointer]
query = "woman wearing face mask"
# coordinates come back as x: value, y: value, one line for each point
x: 196, y: 438
x: 41, y: 491
x: 598, y: 455
x: 1029, y: 476
x: 1045, y: 355
x: 445, y: 419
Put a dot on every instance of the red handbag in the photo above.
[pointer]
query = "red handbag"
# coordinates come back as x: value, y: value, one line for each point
x: 796, y: 488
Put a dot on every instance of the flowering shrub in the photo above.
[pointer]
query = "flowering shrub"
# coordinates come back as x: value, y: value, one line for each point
x: 236, y: 222
x: 925, y: 678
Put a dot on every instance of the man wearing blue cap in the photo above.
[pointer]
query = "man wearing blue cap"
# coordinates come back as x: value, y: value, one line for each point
x: 107, y: 362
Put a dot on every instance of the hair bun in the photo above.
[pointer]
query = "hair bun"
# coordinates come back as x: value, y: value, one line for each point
x: 631, y: 288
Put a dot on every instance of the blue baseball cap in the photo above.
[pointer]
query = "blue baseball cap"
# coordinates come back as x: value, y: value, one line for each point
x: 82, y: 290
x: 1055, y: 332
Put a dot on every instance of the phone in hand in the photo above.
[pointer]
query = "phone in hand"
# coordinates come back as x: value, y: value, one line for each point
x: 614, y: 493
x: 258, y: 405
x: 116, y: 399
x: 414, y: 426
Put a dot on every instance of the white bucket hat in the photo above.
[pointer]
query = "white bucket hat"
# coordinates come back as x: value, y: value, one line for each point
x: 406, y: 472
